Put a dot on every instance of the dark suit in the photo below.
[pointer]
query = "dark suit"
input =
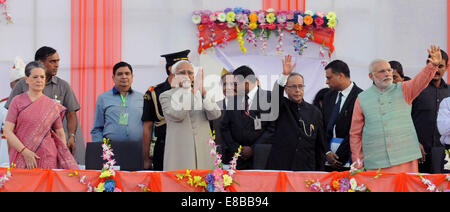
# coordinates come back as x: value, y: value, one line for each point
x: 343, y: 121
x: 216, y: 127
x: 299, y: 137
x: 238, y: 129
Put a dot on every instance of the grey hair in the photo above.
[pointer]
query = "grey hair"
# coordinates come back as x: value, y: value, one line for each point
x: 293, y: 74
x: 376, y: 61
x: 175, y: 66
x: 32, y: 65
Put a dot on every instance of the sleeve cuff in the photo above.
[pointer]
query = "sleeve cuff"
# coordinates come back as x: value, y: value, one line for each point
x: 282, y: 80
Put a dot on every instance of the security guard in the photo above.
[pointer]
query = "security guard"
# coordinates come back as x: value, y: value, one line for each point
x: 153, y: 118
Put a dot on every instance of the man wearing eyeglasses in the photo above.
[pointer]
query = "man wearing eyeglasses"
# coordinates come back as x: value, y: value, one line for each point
x: 424, y: 113
x: 382, y: 135
x: 299, y: 137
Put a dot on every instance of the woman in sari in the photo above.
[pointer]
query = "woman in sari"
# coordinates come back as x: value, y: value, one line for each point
x: 34, y: 129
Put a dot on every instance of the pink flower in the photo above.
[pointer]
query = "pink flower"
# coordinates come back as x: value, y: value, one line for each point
x: 290, y: 15
x: 205, y: 19
x: 300, y: 20
x: 319, y: 21
x: 261, y: 18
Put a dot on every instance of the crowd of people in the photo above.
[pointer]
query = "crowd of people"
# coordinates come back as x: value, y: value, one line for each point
x: 398, y: 124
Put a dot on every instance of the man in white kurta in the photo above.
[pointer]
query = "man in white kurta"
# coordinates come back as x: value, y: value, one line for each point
x: 16, y: 74
x: 187, y: 110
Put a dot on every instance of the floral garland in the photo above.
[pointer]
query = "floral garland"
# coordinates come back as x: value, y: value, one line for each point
x: 345, y: 184
x: 107, y: 177
x: 6, y: 13
x: 217, y: 180
x: 431, y: 187
x: 262, y: 23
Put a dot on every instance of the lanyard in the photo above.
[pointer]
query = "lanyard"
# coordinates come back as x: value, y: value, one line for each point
x: 124, y: 100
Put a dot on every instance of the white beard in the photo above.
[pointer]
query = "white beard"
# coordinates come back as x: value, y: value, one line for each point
x: 384, y: 83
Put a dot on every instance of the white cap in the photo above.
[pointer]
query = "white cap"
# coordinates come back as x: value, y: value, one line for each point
x: 18, y: 70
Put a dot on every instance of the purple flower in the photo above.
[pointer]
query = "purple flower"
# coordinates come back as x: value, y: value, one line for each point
x: 228, y: 10
x: 344, y: 184
x: 210, y: 178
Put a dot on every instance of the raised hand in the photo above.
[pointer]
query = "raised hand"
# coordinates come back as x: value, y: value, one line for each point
x: 288, y: 68
x: 435, y: 53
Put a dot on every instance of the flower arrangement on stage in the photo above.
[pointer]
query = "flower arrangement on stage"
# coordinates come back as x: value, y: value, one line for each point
x: 259, y: 24
x: 218, y: 180
x: 107, y: 181
x: 345, y: 184
x: 342, y: 185
x: 6, y: 13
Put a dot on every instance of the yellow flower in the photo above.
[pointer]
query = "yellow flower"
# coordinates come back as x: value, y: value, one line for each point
x: 253, y: 25
x: 350, y: 190
x: 100, y: 187
x: 331, y: 15
x: 227, y: 180
x: 190, y: 181
x: 231, y: 17
x: 332, y: 23
x: 106, y: 174
x: 270, y: 18
x: 197, y: 180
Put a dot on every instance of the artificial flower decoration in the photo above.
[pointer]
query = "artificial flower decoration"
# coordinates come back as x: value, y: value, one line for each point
x: 271, y: 18
x: 6, y: 13
x: 331, y: 15
x: 222, y: 17
x: 231, y: 16
x: 319, y: 21
x: 253, y: 18
x: 217, y: 180
x: 308, y: 20
x: 332, y: 23
x: 217, y: 28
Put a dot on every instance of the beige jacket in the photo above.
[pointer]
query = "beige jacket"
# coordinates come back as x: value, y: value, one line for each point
x: 188, y: 129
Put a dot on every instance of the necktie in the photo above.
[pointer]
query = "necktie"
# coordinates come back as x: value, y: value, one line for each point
x: 334, y: 114
x: 246, y: 103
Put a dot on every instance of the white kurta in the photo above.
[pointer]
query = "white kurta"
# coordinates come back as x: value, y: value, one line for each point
x: 188, y: 129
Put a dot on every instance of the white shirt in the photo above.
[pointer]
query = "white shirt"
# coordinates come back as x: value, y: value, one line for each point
x: 251, y: 95
x: 345, y: 94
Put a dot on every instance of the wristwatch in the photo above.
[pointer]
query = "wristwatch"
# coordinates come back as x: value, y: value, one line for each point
x: 71, y: 135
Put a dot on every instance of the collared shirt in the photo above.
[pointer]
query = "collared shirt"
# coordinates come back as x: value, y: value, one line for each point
x: 57, y: 89
x: 251, y: 95
x: 345, y: 94
x: 107, y: 116
x: 443, y: 121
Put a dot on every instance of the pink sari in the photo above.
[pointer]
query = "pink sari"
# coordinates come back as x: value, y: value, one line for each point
x: 35, y: 124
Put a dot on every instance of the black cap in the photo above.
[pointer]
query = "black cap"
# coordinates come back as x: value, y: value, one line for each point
x: 175, y: 57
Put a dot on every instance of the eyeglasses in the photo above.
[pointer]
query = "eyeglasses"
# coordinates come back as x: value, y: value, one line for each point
x: 294, y: 87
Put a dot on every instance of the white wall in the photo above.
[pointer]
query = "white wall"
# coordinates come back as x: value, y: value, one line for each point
x: 393, y: 30
x: 36, y: 23
x: 156, y: 27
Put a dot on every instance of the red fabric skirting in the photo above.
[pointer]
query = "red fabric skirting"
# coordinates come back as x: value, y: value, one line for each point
x: 249, y: 181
